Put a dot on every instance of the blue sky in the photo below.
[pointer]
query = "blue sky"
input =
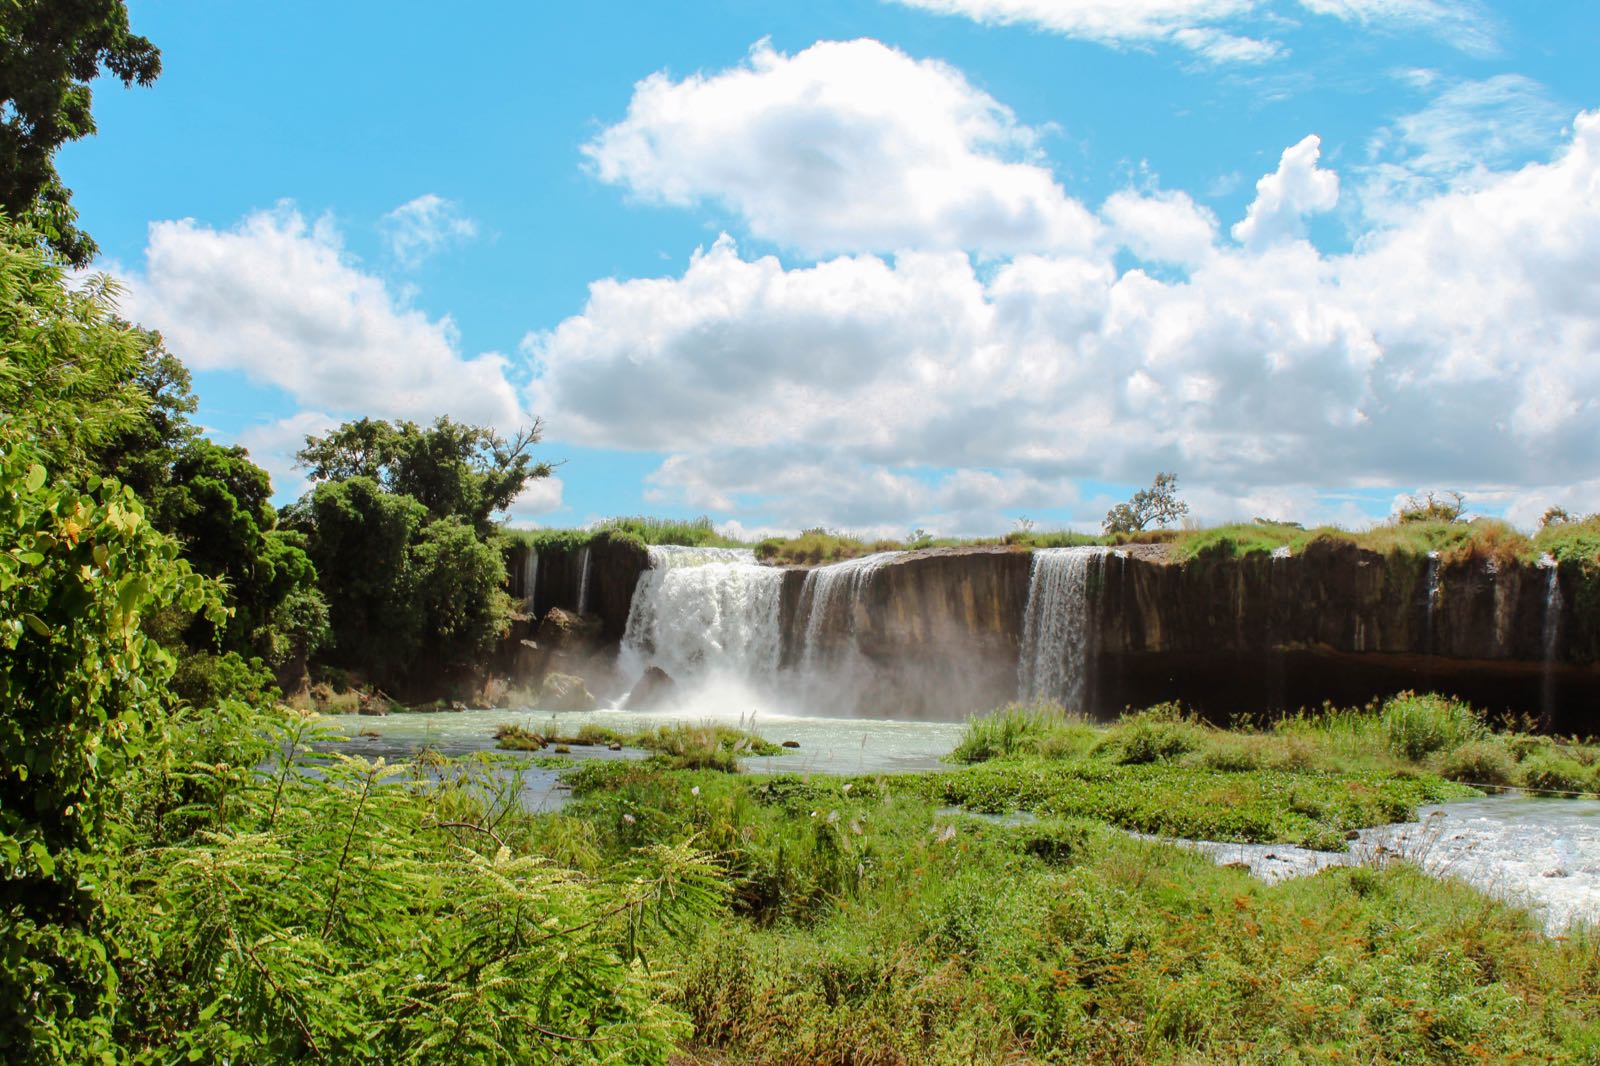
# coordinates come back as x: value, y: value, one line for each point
x: 931, y: 263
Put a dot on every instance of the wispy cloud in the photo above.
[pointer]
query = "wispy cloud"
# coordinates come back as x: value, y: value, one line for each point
x: 422, y: 228
x: 1220, y: 31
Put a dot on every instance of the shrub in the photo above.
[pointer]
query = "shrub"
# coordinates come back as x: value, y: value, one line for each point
x: 1415, y: 727
x: 1480, y: 762
x: 1556, y: 773
x: 206, y: 679
x: 1020, y: 729
x: 1156, y: 734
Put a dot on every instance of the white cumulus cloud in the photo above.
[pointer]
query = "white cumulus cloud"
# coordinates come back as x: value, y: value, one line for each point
x: 844, y: 147
x: 1460, y: 346
x: 278, y: 298
x: 1299, y: 187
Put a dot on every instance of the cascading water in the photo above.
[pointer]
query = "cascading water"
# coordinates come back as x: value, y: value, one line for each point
x: 1432, y: 604
x: 585, y: 566
x: 705, y: 616
x: 1553, y: 605
x: 530, y: 581
x: 1055, y: 628
x: 828, y: 602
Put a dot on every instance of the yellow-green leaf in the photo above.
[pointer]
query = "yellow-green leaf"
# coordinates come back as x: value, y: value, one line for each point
x: 35, y: 477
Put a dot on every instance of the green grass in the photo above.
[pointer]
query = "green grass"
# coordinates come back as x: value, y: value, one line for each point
x: 865, y: 923
x: 678, y: 746
x: 640, y: 529
x: 1409, y: 737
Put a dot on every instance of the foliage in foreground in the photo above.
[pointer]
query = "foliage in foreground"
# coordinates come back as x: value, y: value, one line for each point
x: 868, y: 924
x: 338, y: 910
x: 80, y: 682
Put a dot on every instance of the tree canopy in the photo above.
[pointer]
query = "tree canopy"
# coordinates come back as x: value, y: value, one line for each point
x: 449, y: 467
x: 1159, y: 504
x: 50, y: 50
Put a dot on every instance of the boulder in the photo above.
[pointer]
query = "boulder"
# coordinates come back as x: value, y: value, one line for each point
x: 564, y: 632
x: 564, y: 692
x: 652, y: 690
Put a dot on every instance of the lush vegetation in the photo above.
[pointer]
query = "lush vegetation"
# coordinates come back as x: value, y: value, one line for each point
x: 867, y: 921
x: 1412, y: 739
x: 187, y: 876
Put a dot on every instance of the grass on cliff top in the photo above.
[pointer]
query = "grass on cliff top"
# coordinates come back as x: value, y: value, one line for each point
x: 640, y: 529
x: 865, y: 922
x: 1482, y: 539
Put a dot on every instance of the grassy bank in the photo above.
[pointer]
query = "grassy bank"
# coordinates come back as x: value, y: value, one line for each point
x: 1426, y: 739
x: 866, y: 921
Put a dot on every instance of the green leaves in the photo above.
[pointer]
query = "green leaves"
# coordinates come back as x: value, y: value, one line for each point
x: 448, y: 944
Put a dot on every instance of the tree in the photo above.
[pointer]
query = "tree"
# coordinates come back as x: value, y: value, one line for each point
x: 449, y: 467
x: 80, y: 678
x: 1159, y: 504
x: 1432, y: 507
x: 359, y: 537
x: 69, y: 367
x: 50, y: 50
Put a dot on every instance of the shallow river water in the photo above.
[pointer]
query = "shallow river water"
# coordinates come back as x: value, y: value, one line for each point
x: 1541, y: 853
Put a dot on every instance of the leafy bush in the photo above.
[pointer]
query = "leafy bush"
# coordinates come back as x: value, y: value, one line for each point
x: 81, y: 682
x: 1156, y: 734
x: 1557, y: 773
x: 206, y: 679
x: 1480, y: 762
x: 409, y: 931
x: 1417, y: 726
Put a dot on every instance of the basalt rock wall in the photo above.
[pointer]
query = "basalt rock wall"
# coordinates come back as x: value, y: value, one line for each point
x: 614, y: 565
x: 937, y: 633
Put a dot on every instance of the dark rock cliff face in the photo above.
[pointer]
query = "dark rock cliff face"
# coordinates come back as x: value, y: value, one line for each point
x: 937, y: 633
x: 614, y: 566
x: 1231, y: 635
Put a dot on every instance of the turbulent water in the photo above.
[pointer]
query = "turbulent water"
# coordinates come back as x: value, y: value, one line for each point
x: 705, y: 615
x: 1543, y: 854
x: 710, y: 617
x: 1055, y: 628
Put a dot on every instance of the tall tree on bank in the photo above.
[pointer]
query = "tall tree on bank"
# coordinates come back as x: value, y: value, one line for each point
x: 401, y: 526
x: 50, y: 50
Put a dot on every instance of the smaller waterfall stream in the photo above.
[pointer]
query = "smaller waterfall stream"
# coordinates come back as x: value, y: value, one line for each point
x: 1432, y: 604
x: 1551, y: 637
x: 585, y: 567
x: 530, y: 582
x: 828, y: 602
x: 1055, y: 628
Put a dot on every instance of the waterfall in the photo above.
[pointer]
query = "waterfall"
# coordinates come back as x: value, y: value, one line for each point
x: 585, y: 567
x: 1055, y: 629
x: 1432, y: 604
x: 703, y: 611
x: 1553, y: 605
x: 828, y: 602
x: 530, y: 582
